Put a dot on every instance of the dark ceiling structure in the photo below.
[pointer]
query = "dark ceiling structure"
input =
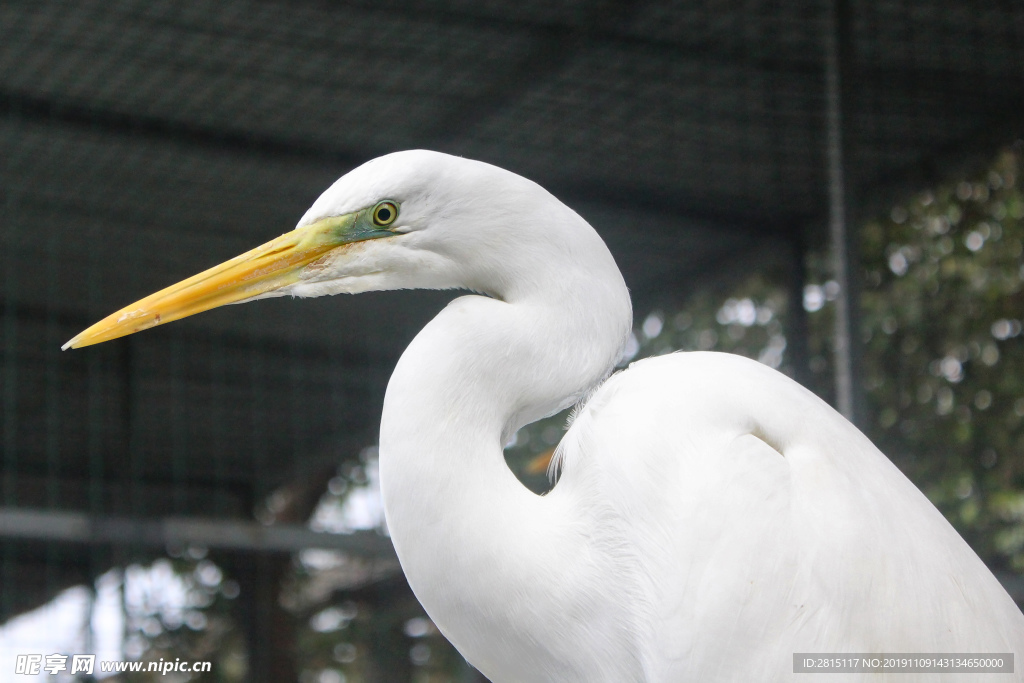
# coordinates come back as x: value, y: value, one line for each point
x: 144, y: 140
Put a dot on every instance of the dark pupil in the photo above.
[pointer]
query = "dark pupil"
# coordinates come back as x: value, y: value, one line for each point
x: 384, y: 214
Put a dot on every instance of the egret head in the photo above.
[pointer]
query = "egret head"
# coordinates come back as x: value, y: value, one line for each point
x: 408, y: 220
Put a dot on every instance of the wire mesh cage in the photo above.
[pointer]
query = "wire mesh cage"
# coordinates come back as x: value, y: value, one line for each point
x: 144, y: 141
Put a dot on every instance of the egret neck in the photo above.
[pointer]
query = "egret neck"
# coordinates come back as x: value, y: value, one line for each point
x: 479, y: 548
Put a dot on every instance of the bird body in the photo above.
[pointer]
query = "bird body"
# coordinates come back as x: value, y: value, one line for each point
x: 712, y: 517
x: 766, y: 525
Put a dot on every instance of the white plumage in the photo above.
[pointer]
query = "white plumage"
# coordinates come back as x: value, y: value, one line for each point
x: 712, y: 517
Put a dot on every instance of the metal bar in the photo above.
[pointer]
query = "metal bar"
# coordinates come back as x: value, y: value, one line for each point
x: 844, y: 341
x: 78, y: 527
x: 670, y: 203
x: 798, y: 334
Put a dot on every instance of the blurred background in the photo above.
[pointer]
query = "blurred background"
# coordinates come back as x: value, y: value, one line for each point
x: 832, y: 187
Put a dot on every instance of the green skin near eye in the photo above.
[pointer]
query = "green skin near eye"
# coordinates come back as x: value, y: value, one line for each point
x: 362, y: 225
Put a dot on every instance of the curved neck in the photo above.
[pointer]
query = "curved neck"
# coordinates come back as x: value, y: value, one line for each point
x: 477, y: 547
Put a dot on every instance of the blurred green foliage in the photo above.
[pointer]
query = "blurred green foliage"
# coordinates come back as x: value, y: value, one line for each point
x: 182, y: 608
x: 944, y: 370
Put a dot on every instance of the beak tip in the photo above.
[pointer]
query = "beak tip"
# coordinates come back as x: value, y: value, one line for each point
x: 70, y: 344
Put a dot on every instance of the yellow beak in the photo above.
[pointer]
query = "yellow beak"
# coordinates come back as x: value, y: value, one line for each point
x: 269, y: 267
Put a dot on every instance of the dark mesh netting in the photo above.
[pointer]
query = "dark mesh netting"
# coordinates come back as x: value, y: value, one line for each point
x: 142, y: 141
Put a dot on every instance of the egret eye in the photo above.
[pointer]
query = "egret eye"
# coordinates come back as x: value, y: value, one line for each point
x: 384, y: 214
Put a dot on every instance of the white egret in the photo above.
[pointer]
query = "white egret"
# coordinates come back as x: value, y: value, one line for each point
x: 712, y: 517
